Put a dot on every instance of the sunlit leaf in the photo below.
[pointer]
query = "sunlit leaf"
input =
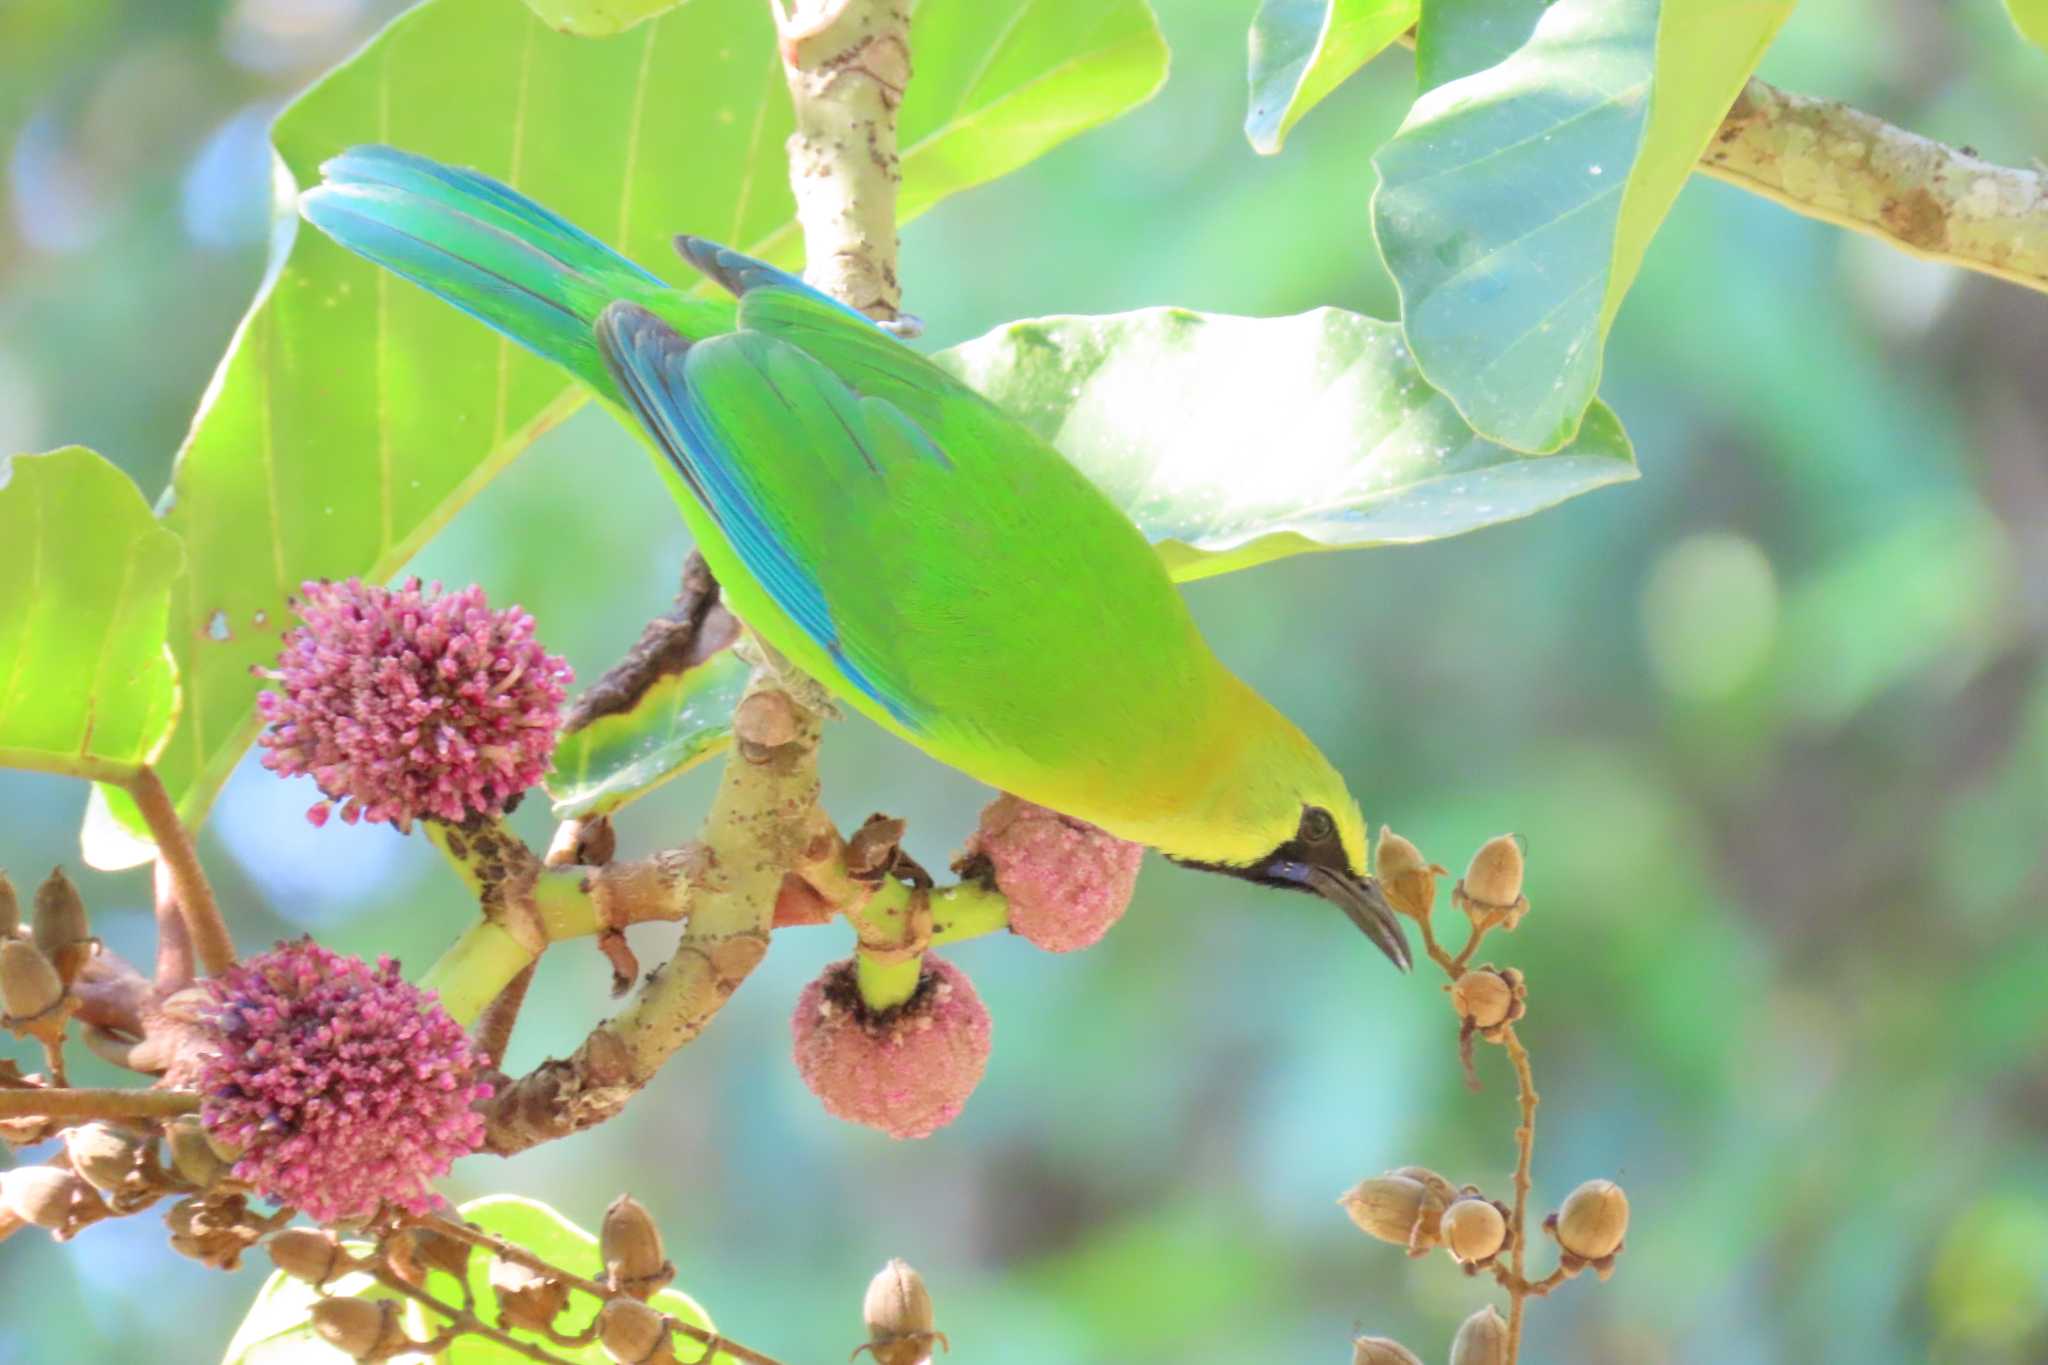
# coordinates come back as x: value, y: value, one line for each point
x: 87, y: 685
x: 2030, y: 17
x: 683, y: 719
x: 279, y: 1329
x: 1301, y: 50
x: 597, y: 18
x: 1232, y: 441
x: 1516, y: 202
x: 537, y: 1228
x: 355, y: 414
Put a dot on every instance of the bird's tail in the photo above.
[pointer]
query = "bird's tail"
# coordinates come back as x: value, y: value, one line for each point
x: 481, y: 246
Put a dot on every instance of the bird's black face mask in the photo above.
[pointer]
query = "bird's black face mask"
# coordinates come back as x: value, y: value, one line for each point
x: 1314, y: 861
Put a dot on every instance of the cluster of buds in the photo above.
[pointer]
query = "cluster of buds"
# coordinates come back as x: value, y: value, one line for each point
x: 40, y: 961
x: 1418, y: 1210
x: 898, y: 1312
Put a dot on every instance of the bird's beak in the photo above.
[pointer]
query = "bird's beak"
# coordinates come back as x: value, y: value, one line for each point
x: 1358, y: 897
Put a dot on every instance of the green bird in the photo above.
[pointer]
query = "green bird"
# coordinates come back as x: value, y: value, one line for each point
x: 894, y: 534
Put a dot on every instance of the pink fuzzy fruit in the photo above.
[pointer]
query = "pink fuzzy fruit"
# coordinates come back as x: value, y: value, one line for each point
x: 906, y: 1071
x: 1066, y: 880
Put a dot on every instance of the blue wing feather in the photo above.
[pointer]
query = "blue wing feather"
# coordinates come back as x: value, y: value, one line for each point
x: 652, y: 364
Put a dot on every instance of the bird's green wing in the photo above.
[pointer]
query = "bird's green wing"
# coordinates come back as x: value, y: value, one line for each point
x: 798, y: 470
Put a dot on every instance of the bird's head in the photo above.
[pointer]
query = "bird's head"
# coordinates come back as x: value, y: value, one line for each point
x: 1284, y: 818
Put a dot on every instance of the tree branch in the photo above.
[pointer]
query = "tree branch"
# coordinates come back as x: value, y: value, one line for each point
x: 846, y: 63
x: 1826, y: 160
x: 194, y: 895
x: 56, y: 1103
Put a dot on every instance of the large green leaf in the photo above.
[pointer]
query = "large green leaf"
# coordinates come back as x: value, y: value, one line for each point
x: 1232, y: 441
x: 1301, y: 50
x: 1516, y: 202
x: 1458, y: 37
x: 683, y: 719
x: 87, y: 685
x: 355, y: 414
x: 547, y: 1234
x: 597, y: 18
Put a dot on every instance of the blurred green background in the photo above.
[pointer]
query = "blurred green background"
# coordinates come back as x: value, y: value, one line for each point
x: 1774, y: 721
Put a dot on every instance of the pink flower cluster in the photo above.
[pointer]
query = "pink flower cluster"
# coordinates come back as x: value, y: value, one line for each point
x: 907, y: 1072
x: 402, y: 704
x: 340, y: 1086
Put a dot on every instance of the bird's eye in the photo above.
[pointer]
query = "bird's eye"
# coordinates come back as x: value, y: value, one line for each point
x: 1317, y: 826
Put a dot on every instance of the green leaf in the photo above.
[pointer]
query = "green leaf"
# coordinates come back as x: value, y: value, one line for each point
x: 279, y: 1327
x: 2030, y: 17
x: 998, y: 85
x: 87, y: 685
x: 355, y: 414
x: 597, y: 18
x: 683, y: 719
x: 1301, y: 50
x: 1516, y: 203
x: 1458, y: 37
x: 534, y: 1226
x: 1345, y: 445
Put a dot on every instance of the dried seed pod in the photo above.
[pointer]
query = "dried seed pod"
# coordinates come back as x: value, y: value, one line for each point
x: 526, y: 1298
x: 106, y: 1154
x: 631, y: 1243
x: 1436, y: 1184
x: 1406, y: 877
x: 416, y: 1250
x: 44, y: 1195
x: 361, y: 1329
x: 1491, y: 890
x: 634, y: 1334
x: 1381, y: 1351
x: 1482, y: 1340
x: 1486, y: 998
x: 10, y: 908
x: 1397, y: 1209
x: 310, y: 1254
x: 29, y: 985
x: 898, y: 1313
x: 60, y: 929
x: 1474, y: 1230
x: 193, y: 1155
x: 1593, y: 1221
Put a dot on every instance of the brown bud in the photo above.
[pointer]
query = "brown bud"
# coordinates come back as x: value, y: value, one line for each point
x: 634, y: 1334
x: 1474, y: 1230
x: 106, y: 1154
x: 310, y: 1254
x: 44, y: 1195
x: 1381, y: 1351
x: 1397, y: 1209
x: 1593, y: 1221
x: 1482, y: 1340
x: 29, y: 986
x: 361, y: 1329
x: 1491, y: 890
x: 527, y: 1299
x: 1406, y: 877
x: 765, y: 720
x: 898, y: 1313
x: 10, y: 908
x: 1486, y: 998
x: 633, y: 1259
x: 416, y: 1250
x: 193, y: 1154
x: 60, y: 927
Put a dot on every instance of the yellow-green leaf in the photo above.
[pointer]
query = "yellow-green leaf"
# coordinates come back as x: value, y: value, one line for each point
x: 677, y: 723
x: 1301, y: 50
x: 87, y: 685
